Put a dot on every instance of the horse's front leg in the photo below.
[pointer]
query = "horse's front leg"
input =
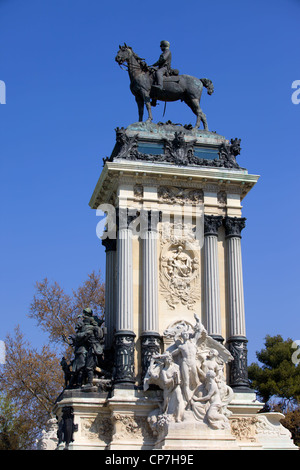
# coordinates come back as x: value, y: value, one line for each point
x: 148, y: 106
x: 140, y: 102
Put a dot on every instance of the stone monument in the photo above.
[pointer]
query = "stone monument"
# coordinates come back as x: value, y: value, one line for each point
x: 169, y: 369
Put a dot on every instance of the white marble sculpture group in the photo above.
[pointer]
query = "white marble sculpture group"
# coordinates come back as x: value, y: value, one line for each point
x: 191, y: 374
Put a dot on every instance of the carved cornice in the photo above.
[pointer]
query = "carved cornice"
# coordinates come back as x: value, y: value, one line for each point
x: 140, y: 175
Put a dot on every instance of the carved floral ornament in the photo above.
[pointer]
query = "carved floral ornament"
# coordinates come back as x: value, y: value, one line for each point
x: 97, y: 428
x: 131, y: 426
x: 180, y: 196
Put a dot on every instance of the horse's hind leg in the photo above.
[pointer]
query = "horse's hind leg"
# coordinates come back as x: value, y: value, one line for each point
x: 195, y: 107
x: 203, y: 119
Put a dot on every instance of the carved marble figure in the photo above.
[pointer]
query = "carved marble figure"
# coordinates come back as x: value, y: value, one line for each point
x: 191, y: 374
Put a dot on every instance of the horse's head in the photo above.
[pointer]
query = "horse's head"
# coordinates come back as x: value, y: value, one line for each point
x: 123, y: 53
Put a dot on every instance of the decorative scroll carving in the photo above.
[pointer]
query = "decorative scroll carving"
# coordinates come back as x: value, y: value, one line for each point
x: 222, y: 198
x: 100, y: 428
x: 126, y: 145
x: 177, y: 150
x: 275, y: 429
x: 128, y: 426
x: 179, y: 195
x: 229, y: 152
x: 138, y: 192
x: 244, y: 428
x: 48, y: 439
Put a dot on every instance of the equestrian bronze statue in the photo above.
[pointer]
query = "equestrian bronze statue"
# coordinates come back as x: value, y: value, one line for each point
x: 160, y: 82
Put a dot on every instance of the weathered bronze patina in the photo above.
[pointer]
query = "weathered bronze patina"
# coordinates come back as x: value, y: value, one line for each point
x: 160, y: 82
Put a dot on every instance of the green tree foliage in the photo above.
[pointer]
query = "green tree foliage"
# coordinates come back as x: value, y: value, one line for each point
x: 8, y: 425
x: 278, y: 376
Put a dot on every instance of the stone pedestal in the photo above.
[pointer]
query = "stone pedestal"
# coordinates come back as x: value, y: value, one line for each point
x: 120, y: 421
x: 196, y: 436
x: 174, y: 291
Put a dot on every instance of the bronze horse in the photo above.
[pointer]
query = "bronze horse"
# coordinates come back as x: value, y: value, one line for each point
x: 175, y: 87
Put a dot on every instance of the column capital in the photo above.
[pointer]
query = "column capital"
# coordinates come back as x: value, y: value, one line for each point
x: 212, y: 224
x: 234, y: 226
x: 110, y: 244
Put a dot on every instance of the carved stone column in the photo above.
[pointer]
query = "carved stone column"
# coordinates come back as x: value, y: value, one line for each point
x: 237, y: 341
x: 150, y: 338
x: 150, y: 345
x: 124, y: 336
x: 110, y: 292
x: 211, y: 277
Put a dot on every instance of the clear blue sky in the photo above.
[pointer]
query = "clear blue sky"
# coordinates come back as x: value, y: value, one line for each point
x: 66, y: 95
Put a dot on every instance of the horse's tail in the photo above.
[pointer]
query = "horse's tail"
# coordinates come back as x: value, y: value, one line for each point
x: 208, y: 84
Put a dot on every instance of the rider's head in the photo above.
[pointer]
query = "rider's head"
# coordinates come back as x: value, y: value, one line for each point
x: 164, y: 45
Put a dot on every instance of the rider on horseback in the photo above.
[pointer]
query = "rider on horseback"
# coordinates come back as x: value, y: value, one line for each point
x: 175, y: 87
x: 163, y: 64
x: 163, y: 67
